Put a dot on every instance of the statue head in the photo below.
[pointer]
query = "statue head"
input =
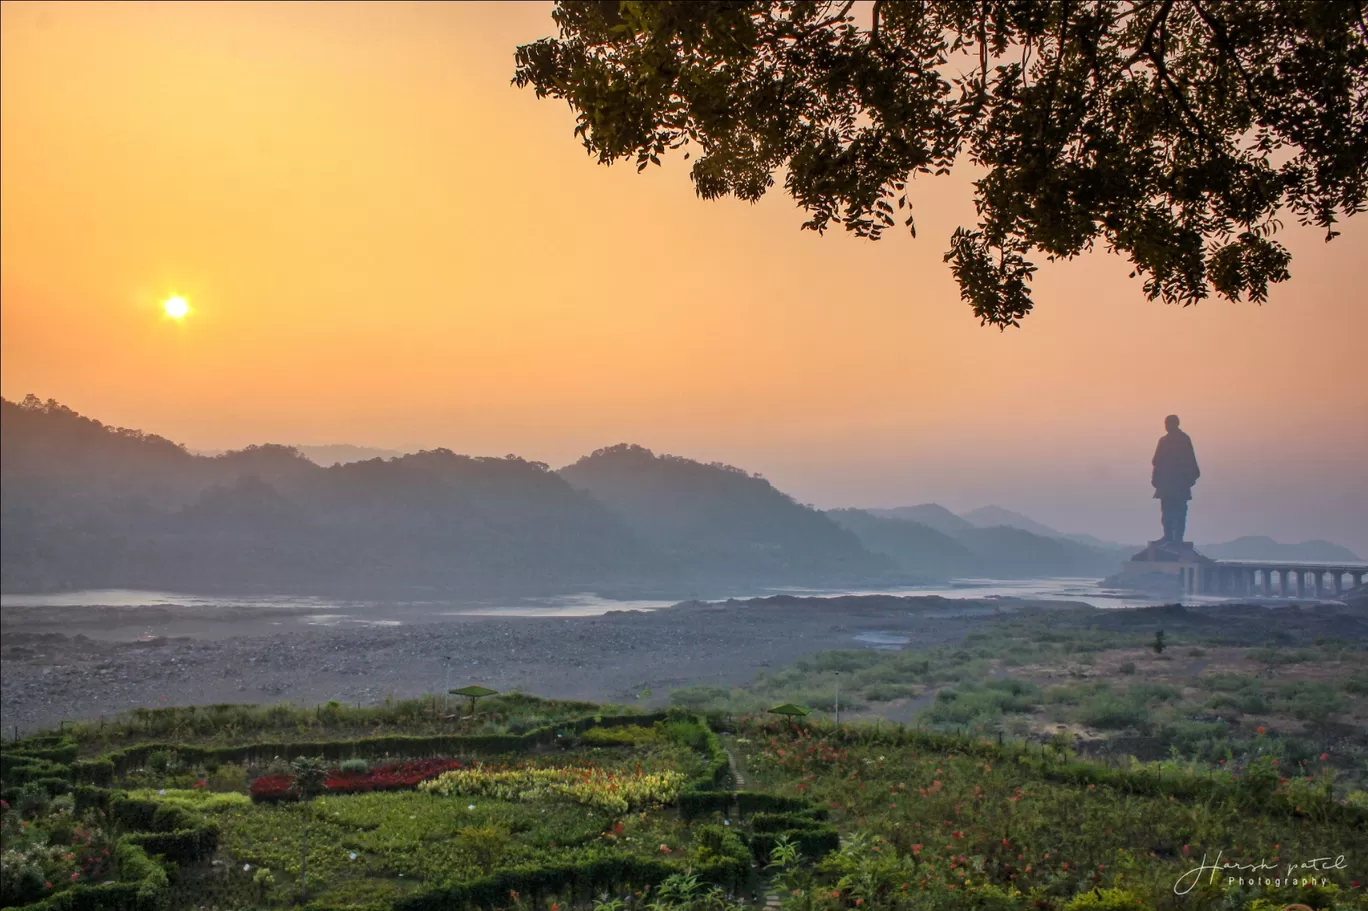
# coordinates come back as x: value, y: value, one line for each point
x: 1171, y: 422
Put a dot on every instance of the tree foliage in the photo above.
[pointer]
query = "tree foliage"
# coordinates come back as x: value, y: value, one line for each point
x: 1174, y: 131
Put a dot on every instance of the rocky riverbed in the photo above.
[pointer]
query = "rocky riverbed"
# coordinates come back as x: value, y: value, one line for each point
x: 83, y: 662
x: 70, y: 663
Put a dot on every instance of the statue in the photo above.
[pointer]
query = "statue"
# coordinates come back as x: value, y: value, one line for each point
x: 1175, y: 471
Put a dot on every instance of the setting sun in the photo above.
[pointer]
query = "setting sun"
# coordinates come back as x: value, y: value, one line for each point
x: 176, y: 307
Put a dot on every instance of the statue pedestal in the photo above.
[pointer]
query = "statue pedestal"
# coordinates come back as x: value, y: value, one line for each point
x: 1168, y: 567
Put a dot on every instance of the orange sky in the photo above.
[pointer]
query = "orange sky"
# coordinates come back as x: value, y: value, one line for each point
x: 385, y: 243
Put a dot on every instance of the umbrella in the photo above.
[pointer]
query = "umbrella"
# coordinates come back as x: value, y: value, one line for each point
x: 474, y: 692
x: 788, y: 708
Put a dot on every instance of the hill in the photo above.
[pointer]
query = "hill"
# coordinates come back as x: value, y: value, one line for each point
x: 720, y: 521
x: 1259, y: 547
x: 992, y: 516
x: 998, y: 552
x: 344, y: 453
x: 932, y: 515
x: 90, y: 506
x: 914, y: 547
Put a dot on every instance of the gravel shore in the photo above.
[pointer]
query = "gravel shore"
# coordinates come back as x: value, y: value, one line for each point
x: 75, y: 663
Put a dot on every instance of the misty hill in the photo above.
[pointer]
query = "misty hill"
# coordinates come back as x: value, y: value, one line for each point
x: 719, y: 519
x: 344, y: 453
x: 999, y: 552
x: 914, y: 547
x: 1258, y: 547
x: 991, y: 516
x: 932, y: 515
x: 89, y: 506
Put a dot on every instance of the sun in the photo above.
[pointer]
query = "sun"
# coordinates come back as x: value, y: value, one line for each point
x: 176, y: 307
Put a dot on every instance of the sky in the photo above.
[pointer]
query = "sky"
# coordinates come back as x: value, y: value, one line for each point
x: 385, y: 243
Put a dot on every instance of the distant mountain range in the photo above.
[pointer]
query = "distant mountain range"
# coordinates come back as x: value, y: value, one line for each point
x: 964, y: 549
x: 1263, y: 548
x: 330, y: 454
x: 86, y: 506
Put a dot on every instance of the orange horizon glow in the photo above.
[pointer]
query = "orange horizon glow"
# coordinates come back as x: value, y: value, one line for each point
x: 383, y: 242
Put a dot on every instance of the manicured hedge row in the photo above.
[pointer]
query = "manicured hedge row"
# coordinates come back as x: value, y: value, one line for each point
x: 31, y: 769
x: 89, y: 797
x: 62, y: 751
x: 813, y: 843
x: 783, y: 822
x: 693, y: 804
x: 582, y: 881
x: 182, y: 847
x: 132, y: 814
x: 395, y: 745
x: 748, y: 802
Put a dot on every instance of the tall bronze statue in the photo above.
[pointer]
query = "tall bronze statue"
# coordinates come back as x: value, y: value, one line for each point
x: 1175, y: 471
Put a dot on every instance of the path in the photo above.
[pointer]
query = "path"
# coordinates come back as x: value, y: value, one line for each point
x: 738, y: 779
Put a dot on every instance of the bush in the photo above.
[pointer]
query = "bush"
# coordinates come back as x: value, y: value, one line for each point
x: 228, y: 778
x: 354, y: 766
x: 627, y: 735
x: 182, y: 848
x: 693, y: 804
x: 1105, y: 900
x: 133, y: 814
x: 1127, y: 667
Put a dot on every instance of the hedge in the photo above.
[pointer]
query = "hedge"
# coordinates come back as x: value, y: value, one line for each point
x: 693, y: 804
x: 133, y: 814
x: 183, y: 847
x: 395, y: 745
x: 581, y: 881
x: 813, y: 843
x: 89, y: 797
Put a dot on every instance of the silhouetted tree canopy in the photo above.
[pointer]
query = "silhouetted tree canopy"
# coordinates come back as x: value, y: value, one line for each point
x: 1174, y: 131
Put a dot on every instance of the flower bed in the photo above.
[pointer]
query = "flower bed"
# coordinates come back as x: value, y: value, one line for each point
x: 401, y: 776
x: 588, y: 785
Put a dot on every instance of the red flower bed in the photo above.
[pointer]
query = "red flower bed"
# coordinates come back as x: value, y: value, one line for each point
x: 400, y: 776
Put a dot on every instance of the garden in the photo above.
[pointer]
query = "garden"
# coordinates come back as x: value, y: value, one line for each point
x: 610, y: 810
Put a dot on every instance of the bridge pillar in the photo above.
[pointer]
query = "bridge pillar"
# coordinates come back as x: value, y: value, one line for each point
x: 1267, y: 581
x: 1247, y: 580
x: 1339, y: 582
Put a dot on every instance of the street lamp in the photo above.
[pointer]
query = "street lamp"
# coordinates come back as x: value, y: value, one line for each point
x: 838, y: 699
x: 446, y: 689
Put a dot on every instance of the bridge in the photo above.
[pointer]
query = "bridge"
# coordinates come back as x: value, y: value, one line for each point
x: 1199, y: 575
x: 1271, y: 579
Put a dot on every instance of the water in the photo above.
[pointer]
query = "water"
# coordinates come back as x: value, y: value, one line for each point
x: 315, y: 611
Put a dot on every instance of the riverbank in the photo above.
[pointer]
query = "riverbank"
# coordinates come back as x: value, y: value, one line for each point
x: 83, y: 662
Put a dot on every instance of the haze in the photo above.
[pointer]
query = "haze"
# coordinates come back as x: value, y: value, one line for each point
x: 386, y: 244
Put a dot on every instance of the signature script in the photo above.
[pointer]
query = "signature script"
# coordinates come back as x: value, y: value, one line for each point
x: 1194, y: 876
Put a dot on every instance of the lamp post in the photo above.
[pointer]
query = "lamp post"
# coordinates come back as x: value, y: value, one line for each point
x: 446, y: 689
x: 838, y: 699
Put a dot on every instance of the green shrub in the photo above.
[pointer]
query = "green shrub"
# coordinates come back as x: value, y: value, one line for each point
x: 1127, y: 667
x: 229, y: 778
x: 627, y: 735
x: 1107, y: 711
x: 887, y: 692
x: 355, y: 766
x: 132, y: 814
x: 183, y: 847
x: 1105, y: 900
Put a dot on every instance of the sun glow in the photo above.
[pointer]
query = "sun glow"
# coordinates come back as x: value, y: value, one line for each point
x: 176, y: 307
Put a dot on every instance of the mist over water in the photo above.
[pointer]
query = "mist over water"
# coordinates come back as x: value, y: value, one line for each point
x: 334, y: 611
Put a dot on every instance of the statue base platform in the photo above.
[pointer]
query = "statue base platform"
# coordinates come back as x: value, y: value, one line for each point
x: 1163, y: 567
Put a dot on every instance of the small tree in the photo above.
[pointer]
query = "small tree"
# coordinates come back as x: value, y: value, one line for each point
x: 1159, y: 643
x: 310, y: 777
